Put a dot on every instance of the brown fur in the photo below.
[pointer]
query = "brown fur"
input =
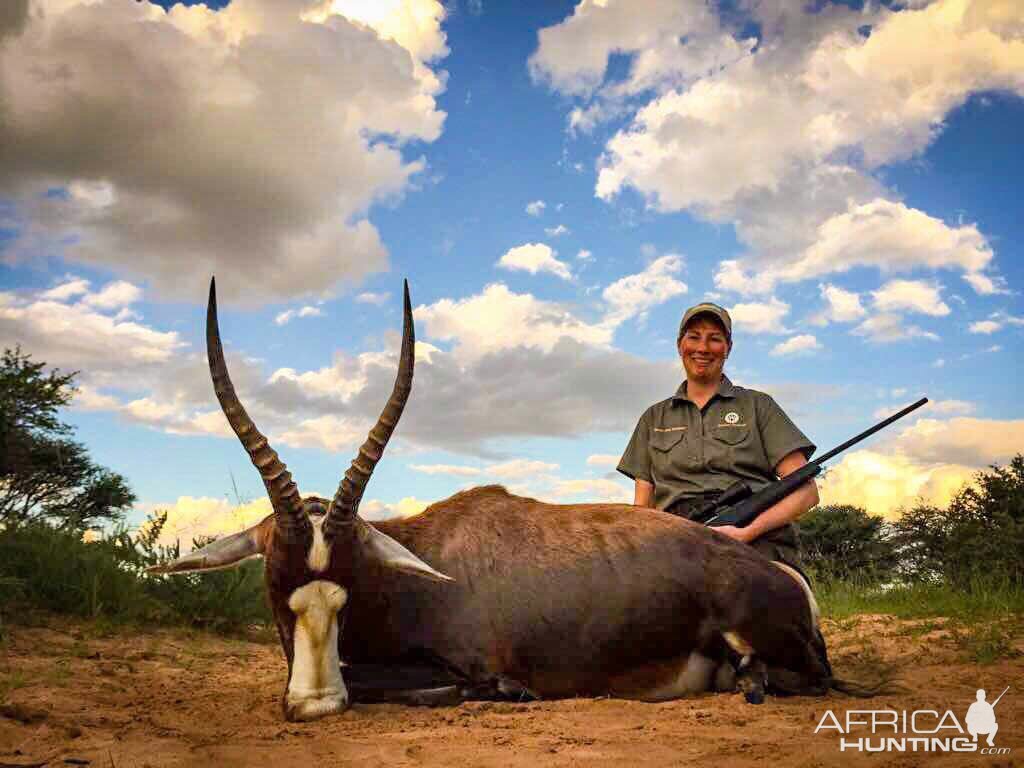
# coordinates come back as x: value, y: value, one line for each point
x: 564, y: 599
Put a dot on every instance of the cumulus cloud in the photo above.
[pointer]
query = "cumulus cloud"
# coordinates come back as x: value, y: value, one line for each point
x: 276, y: 217
x: 888, y: 327
x: 190, y: 517
x: 912, y: 296
x: 373, y: 298
x: 759, y: 317
x: 635, y: 294
x: 602, y: 460
x: 81, y: 336
x: 841, y: 306
x: 883, y: 484
x: 536, y: 208
x: 711, y: 116
x: 986, y: 327
x: 930, y: 460
x: 498, y: 319
x: 515, y: 469
x: 882, y: 234
x: 584, y: 255
x: 534, y: 258
x: 804, y: 344
x: 289, y: 314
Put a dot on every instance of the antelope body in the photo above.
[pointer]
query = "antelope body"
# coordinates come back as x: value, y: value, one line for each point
x: 519, y: 597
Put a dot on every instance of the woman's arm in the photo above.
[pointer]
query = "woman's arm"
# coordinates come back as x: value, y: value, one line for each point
x: 785, y: 511
x: 643, y: 494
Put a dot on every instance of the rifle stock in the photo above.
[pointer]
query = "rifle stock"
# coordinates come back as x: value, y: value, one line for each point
x: 732, y: 508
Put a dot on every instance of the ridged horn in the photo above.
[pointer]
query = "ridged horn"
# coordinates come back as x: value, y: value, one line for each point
x: 284, y: 494
x: 346, y: 501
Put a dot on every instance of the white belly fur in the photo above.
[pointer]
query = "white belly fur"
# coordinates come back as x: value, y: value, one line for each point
x: 316, y: 687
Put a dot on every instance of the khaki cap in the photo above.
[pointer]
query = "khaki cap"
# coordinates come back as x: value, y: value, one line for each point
x: 706, y: 308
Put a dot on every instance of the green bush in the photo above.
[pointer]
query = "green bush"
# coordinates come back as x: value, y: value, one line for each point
x: 56, y: 570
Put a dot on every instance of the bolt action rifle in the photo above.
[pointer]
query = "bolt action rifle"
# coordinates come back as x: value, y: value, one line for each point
x: 738, y: 505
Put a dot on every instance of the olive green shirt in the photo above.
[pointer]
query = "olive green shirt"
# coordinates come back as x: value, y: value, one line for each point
x: 684, y: 451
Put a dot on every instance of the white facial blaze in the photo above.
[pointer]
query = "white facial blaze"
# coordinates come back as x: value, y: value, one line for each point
x: 316, y: 687
x: 319, y: 556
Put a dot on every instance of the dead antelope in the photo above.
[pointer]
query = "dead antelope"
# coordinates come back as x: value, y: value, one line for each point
x: 519, y: 597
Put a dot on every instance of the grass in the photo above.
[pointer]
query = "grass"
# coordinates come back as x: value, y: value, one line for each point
x: 981, y: 599
x: 982, y: 619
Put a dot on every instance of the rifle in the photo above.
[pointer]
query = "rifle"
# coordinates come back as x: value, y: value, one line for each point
x: 738, y: 505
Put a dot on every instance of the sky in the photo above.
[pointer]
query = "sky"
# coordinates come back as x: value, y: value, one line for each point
x: 558, y: 181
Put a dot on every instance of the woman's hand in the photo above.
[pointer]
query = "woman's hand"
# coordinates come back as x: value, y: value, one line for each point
x: 740, y: 534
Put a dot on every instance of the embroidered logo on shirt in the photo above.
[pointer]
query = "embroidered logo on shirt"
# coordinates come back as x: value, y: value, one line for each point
x: 732, y: 417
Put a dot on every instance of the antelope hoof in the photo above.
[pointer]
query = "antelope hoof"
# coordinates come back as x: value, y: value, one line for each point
x: 313, y: 707
x: 754, y: 696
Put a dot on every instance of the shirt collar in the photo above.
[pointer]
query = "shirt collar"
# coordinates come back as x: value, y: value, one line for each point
x: 725, y: 389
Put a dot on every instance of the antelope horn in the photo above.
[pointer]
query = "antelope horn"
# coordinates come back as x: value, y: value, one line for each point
x: 284, y: 494
x: 350, y: 491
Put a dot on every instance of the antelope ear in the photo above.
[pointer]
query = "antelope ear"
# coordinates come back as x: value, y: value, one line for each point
x: 222, y: 553
x: 389, y: 553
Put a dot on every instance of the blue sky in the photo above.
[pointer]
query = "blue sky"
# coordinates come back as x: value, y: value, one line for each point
x: 558, y: 182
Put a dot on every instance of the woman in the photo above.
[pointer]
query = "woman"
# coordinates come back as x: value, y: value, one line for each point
x: 689, y: 448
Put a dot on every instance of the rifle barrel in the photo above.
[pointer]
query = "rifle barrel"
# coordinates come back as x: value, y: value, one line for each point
x: 1000, y: 696
x: 869, y: 432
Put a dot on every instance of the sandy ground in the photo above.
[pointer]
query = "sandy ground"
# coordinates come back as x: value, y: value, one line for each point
x: 169, y: 698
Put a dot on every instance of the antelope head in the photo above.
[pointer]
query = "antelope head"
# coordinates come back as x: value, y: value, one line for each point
x: 311, y: 546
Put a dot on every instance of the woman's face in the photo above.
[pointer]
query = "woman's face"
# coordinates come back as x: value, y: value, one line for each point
x: 703, y: 348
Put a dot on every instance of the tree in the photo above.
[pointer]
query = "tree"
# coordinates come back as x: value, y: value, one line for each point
x: 980, y: 533
x: 44, y: 474
x: 842, y: 541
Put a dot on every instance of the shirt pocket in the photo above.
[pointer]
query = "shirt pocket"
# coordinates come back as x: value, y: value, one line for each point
x: 664, y: 439
x: 730, y: 434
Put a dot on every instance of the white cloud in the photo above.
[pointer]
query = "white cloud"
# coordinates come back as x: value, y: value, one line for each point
x: 307, y: 311
x: 882, y: 234
x: 593, y: 489
x: 884, y: 483
x: 556, y: 231
x: 759, y: 317
x: 113, y: 295
x: 534, y: 258
x: 841, y: 306
x: 602, y: 460
x: 79, y: 336
x: 804, y: 344
x: 635, y: 294
x: 189, y: 518
x: 911, y: 295
x: 937, y: 407
x: 969, y: 441
x: 374, y: 509
x: 498, y: 319
x: 536, y: 208
x: 985, y: 327
x: 584, y: 255
x: 515, y: 469
x: 273, y: 216
x: 72, y: 287
x: 887, y: 327
x: 373, y: 298
x: 714, y: 133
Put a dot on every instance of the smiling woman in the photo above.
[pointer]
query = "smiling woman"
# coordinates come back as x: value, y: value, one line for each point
x: 689, y: 448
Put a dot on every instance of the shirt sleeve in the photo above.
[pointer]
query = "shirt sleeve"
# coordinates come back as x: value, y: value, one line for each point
x: 779, y: 435
x: 636, y: 461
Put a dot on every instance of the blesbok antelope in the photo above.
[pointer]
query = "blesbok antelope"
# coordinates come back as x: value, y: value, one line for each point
x: 519, y: 597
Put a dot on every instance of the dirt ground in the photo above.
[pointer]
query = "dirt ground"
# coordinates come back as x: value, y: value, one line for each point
x: 69, y: 696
